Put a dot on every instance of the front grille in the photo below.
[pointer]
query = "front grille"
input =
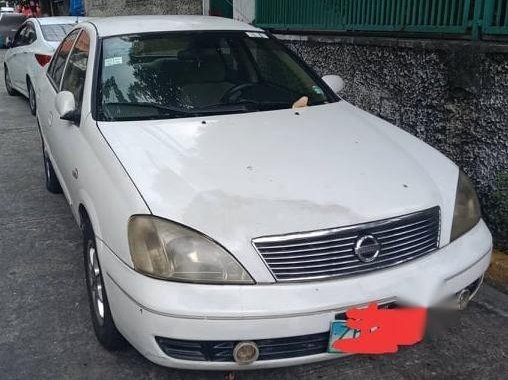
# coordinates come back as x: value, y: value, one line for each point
x: 222, y: 351
x: 330, y: 253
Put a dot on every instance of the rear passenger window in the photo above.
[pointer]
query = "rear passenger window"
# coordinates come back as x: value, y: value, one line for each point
x: 75, y: 72
x: 31, y: 35
x: 57, y: 66
x: 21, y: 36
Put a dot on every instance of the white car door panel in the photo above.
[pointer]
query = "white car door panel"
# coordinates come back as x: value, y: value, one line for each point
x: 54, y: 128
x: 16, y: 54
x: 68, y: 142
x: 22, y: 57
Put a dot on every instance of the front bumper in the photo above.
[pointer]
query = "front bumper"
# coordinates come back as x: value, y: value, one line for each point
x: 144, y: 308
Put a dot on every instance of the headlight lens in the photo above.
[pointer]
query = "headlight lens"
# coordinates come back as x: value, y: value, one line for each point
x: 169, y: 251
x: 467, y: 211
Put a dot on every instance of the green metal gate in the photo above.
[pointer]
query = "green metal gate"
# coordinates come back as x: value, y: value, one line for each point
x: 465, y: 17
x: 495, y: 17
x: 429, y: 16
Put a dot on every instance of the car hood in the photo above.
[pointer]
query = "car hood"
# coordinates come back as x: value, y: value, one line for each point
x: 238, y: 177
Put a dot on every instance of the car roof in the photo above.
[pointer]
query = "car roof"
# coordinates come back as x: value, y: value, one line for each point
x: 58, y: 20
x: 113, y: 26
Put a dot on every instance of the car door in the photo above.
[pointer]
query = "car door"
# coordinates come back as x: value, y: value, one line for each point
x: 67, y: 134
x: 51, y: 125
x: 22, y: 56
x: 16, y: 55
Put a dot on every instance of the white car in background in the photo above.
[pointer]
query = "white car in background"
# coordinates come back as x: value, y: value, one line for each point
x: 223, y: 227
x: 30, y: 51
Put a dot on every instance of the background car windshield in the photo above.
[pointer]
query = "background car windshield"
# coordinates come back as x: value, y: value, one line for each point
x: 188, y: 74
x: 56, y: 32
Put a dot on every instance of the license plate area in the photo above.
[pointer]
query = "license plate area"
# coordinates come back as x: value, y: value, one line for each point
x: 338, y: 331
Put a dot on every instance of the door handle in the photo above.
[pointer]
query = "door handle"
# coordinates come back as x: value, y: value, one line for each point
x: 50, y: 119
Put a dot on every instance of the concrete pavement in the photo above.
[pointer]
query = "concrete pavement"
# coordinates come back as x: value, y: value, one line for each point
x: 46, y: 333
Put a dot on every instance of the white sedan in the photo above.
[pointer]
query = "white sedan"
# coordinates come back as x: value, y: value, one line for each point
x: 30, y: 51
x: 232, y: 204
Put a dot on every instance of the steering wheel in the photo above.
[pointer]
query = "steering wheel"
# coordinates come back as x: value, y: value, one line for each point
x: 233, y: 90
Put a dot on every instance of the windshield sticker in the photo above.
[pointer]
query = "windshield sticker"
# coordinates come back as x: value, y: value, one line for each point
x: 113, y: 61
x: 256, y: 35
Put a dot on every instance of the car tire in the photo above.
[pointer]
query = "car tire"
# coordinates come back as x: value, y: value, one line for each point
x: 104, y: 326
x: 8, y: 84
x: 52, y: 183
x: 32, y: 101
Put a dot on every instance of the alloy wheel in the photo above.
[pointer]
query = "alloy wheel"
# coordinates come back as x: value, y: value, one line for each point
x: 95, y: 283
x: 31, y: 98
x: 8, y: 82
x: 47, y: 168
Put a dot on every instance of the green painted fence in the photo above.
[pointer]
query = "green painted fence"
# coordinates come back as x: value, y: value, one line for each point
x: 495, y: 17
x: 414, y: 16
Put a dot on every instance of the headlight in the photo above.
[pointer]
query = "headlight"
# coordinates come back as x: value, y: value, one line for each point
x: 169, y: 251
x: 467, y: 211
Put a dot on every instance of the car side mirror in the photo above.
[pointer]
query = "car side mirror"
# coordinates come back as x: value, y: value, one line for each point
x: 335, y: 82
x: 8, y: 43
x: 66, y: 107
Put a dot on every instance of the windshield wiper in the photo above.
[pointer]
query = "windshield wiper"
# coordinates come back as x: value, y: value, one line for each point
x: 183, y: 112
x: 261, y: 105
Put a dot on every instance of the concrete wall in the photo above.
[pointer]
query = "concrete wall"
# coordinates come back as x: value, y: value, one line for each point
x: 244, y: 10
x: 129, y: 7
x: 454, y: 97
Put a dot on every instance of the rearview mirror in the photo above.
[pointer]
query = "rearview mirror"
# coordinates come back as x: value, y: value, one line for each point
x: 335, y: 83
x: 66, y: 107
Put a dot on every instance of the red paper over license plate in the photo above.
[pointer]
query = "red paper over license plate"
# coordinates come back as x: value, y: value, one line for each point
x: 377, y: 331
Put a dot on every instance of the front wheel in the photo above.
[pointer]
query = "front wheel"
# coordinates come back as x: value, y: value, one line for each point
x: 103, y: 324
x: 31, y: 97
x: 52, y: 183
x: 8, y: 83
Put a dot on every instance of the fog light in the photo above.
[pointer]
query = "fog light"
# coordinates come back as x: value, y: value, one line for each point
x: 246, y: 352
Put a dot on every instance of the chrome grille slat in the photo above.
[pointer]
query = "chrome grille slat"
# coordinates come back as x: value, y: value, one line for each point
x: 420, y: 228
x: 314, y: 255
x: 405, y: 226
x: 306, y: 249
x: 271, y: 255
x: 387, y: 247
x: 261, y: 245
x: 390, y: 240
x: 343, y: 259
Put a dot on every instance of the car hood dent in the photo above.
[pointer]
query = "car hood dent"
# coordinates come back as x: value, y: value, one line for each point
x: 238, y: 177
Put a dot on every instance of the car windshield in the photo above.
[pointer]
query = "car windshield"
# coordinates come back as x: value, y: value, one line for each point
x: 174, y: 75
x: 56, y: 32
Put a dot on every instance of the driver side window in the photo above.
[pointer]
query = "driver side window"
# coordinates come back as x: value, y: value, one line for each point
x: 57, y: 65
x: 31, y: 35
x: 75, y: 71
